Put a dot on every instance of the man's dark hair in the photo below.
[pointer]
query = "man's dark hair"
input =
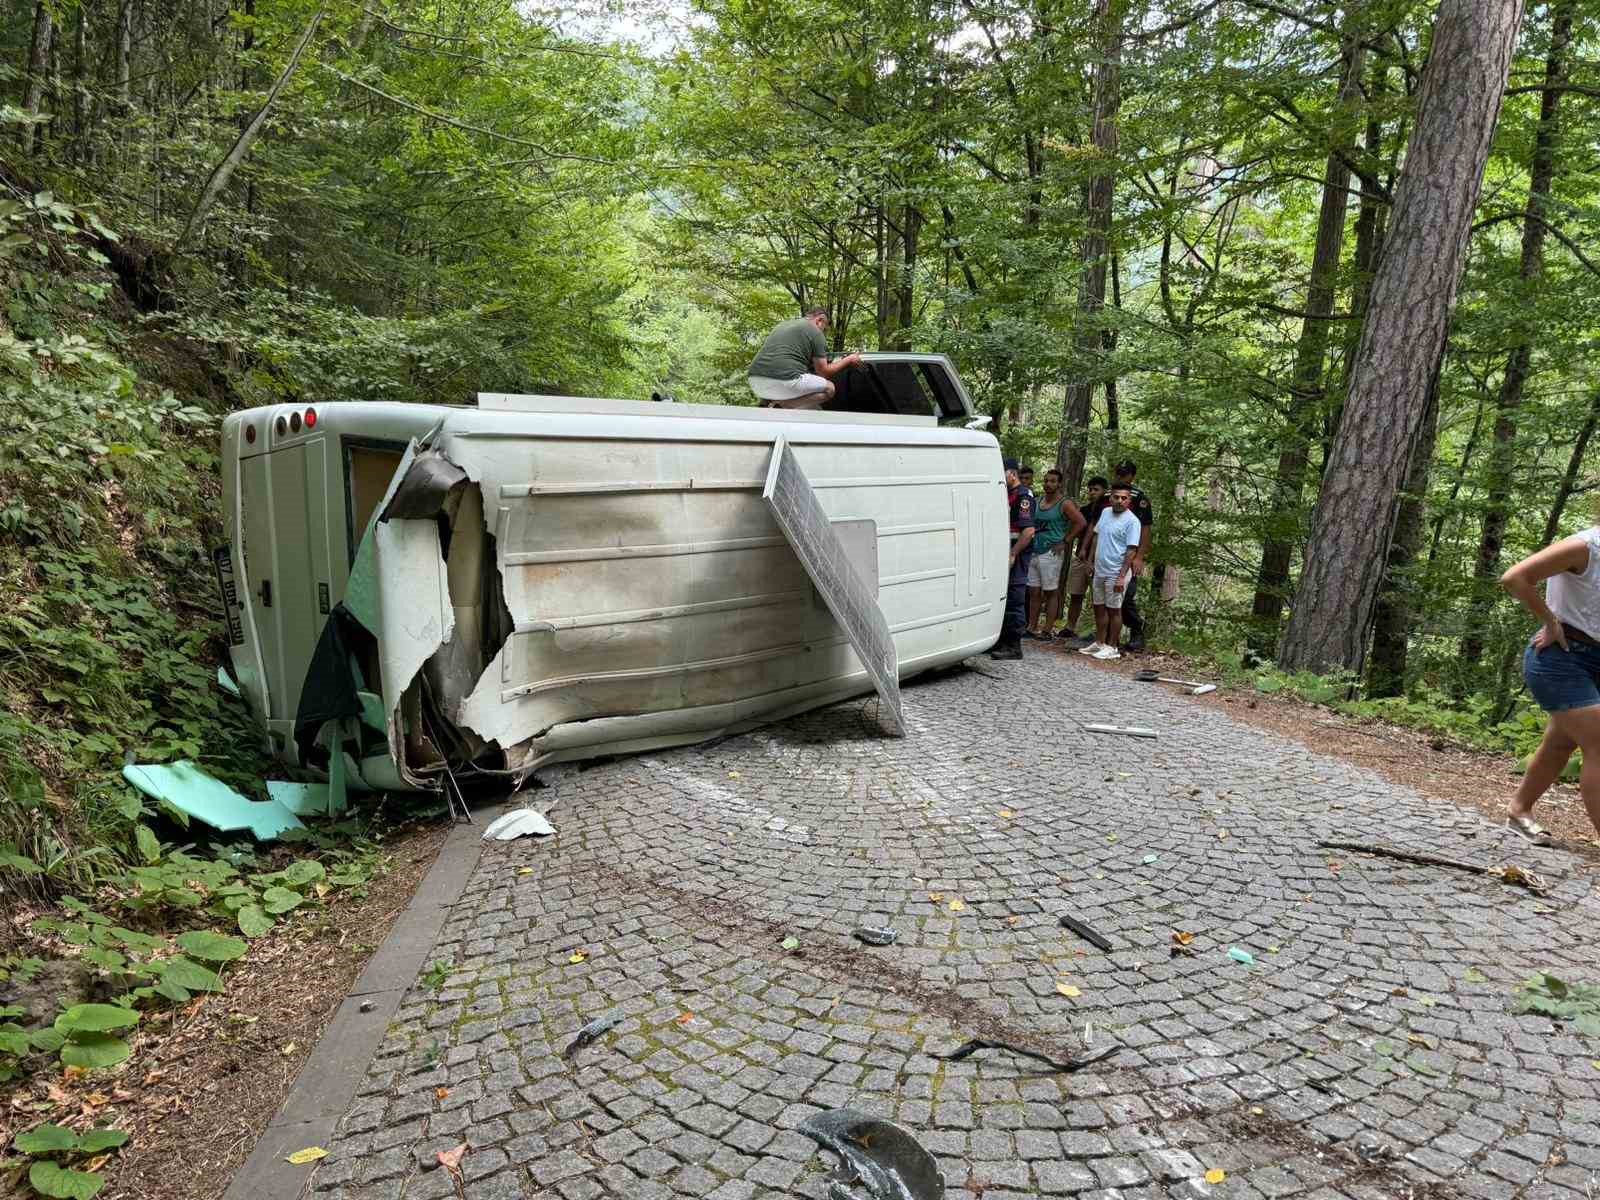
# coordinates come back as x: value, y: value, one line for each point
x: 1053, y: 471
x: 1127, y: 467
x: 817, y: 311
x: 1100, y: 479
x: 1122, y: 487
x: 1027, y: 469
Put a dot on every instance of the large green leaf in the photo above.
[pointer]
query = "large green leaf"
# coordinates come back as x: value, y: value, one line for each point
x: 187, y: 973
x: 95, y: 1051
x: 149, y: 844
x: 95, y: 1018
x: 303, y: 871
x: 63, y: 1183
x: 281, y: 900
x: 254, y: 921
x: 95, y: 1140
x: 213, y: 947
x: 46, y: 1139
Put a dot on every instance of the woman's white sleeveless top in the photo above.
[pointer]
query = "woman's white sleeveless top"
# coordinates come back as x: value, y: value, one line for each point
x: 1575, y: 598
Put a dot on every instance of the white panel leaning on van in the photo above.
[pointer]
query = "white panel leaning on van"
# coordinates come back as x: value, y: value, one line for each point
x: 537, y: 579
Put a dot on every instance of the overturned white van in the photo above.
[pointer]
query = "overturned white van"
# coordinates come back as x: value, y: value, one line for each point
x: 482, y: 590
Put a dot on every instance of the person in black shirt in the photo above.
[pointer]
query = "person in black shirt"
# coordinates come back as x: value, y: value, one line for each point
x: 1080, y: 571
x: 1020, y: 501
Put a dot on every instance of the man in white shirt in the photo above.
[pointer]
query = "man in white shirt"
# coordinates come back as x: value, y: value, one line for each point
x: 1112, y: 548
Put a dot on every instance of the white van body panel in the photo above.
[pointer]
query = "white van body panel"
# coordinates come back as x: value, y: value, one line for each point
x: 652, y: 598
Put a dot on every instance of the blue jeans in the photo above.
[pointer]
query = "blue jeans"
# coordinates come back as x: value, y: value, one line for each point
x: 1563, y: 679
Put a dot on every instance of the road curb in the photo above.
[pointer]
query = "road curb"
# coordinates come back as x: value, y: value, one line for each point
x: 327, y: 1083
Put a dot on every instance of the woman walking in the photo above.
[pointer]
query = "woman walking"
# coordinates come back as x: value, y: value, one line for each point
x: 1562, y: 668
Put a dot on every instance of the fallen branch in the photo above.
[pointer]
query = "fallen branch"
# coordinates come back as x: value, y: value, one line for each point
x: 968, y: 1049
x: 1506, y: 874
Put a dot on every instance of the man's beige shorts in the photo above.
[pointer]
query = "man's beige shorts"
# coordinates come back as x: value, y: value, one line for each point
x: 1105, y: 592
x: 776, y: 391
x: 1078, y: 576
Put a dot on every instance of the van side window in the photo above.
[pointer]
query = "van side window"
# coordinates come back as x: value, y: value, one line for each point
x: 368, y: 467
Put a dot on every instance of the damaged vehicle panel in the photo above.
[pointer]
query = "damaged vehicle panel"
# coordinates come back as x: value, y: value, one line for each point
x: 482, y: 590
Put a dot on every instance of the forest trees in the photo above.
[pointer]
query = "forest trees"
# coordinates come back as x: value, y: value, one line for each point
x: 1403, y: 336
x: 1170, y: 229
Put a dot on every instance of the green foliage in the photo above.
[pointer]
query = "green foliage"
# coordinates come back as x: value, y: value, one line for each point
x: 46, y: 1143
x: 1575, y: 1003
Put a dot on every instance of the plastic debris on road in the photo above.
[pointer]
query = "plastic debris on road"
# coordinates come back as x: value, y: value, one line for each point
x: 1241, y: 956
x: 593, y: 1031
x: 522, y: 822
x: 879, y: 1155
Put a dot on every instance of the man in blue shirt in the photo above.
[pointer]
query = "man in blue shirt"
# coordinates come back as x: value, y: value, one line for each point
x: 1113, y: 548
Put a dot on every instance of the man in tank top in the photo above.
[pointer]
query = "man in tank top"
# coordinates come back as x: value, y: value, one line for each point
x: 1057, y: 524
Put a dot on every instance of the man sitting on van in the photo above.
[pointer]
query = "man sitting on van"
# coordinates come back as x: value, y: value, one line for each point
x: 792, y: 369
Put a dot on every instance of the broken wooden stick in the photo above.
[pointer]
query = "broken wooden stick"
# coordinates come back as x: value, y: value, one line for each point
x: 1507, y: 874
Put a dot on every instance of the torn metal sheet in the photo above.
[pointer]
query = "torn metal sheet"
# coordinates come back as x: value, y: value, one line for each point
x: 424, y: 487
x: 879, y: 1155
x: 806, y: 525
x: 190, y: 790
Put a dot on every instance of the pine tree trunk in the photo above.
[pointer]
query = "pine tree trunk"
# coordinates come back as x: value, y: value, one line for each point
x: 1413, y: 293
x: 1304, y: 414
x: 1503, y: 452
x: 1391, y: 623
x: 1072, y: 449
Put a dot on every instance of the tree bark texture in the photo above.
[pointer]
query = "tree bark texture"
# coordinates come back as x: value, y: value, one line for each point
x: 1304, y: 415
x: 38, y: 68
x: 1502, y: 451
x: 1413, y: 293
x: 1391, y: 623
x: 1072, y: 449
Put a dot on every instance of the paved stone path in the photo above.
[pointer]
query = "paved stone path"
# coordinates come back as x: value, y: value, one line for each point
x: 1370, y: 1052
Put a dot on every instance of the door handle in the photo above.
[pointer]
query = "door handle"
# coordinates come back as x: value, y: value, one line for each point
x: 265, y: 592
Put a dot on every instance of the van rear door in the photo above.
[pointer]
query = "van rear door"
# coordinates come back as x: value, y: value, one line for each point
x: 286, y: 540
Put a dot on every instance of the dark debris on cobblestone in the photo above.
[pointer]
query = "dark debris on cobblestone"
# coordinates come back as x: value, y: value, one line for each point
x: 1369, y: 1054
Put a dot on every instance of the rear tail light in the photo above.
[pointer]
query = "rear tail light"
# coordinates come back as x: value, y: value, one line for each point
x: 250, y: 434
x: 281, y: 426
x: 311, y: 418
x: 294, y: 422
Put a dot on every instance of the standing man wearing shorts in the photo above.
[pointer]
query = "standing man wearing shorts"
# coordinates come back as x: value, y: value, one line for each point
x: 1116, y: 547
x: 1057, y: 524
x: 1080, y: 571
x: 792, y: 370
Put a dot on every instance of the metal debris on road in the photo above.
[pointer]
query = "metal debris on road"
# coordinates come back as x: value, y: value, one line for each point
x: 881, y: 1156
x: 521, y: 822
x: 967, y: 1049
x: 874, y: 935
x: 1138, y: 731
x: 1506, y: 874
x: 593, y: 1031
x: 1088, y: 933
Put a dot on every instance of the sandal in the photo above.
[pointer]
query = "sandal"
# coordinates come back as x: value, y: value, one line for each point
x: 1530, y: 829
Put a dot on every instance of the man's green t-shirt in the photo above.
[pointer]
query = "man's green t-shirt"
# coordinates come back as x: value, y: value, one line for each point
x: 789, y: 351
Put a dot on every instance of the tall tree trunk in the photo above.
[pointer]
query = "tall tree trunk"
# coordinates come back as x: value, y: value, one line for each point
x: 1413, y: 293
x: 1371, y: 223
x: 38, y: 69
x: 1569, y: 480
x: 1391, y: 622
x: 124, y: 54
x: 1304, y: 415
x: 1502, y: 453
x: 241, y: 147
x: 1072, y: 448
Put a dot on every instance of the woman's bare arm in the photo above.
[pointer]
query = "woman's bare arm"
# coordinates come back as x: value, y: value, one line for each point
x: 1523, y: 580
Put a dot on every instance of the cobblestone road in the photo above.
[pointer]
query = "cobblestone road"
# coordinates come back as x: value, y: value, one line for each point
x: 1369, y: 1052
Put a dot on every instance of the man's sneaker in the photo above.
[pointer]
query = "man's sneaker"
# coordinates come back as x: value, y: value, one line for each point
x: 1003, y: 652
x: 1135, y: 644
x: 1092, y: 649
x: 1107, y: 653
